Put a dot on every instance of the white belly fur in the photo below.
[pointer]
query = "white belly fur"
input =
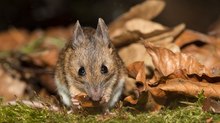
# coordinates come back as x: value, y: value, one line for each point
x: 117, y: 92
x: 63, y: 92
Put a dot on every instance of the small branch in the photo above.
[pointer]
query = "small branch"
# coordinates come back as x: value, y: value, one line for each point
x: 34, y: 104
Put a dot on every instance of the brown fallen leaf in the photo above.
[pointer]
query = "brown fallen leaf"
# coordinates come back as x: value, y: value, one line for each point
x: 174, y: 32
x: 47, y: 57
x: 190, y: 36
x: 192, y: 88
x: 10, y: 88
x: 131, y: 99
x: 146, y: 10
x: 148, y: 98
x: 135, y: 52
x: 84, y: 101
x: 155, y: 101
x: 134, y: 30
x: 211, y: 105
x: 158, y: 35
x: 143, y: 26
x: 60, y: 32
x: 137, y: 71
x: 201, y: 46
x: 146, y: 101
x: 202, y: 53
x: 13, y: 39
x: 166, y: 62
x: 135, y: 68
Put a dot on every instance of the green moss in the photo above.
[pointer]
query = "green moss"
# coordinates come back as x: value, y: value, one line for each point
x: 25, y: 114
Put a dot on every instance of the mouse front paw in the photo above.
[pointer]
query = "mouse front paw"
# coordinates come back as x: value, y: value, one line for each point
x: 105, y: 100
x: 75, y: 103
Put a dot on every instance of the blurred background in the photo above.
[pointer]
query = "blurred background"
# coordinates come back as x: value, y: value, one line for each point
x: 199, y: 15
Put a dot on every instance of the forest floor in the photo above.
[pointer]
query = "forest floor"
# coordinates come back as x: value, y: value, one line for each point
x: 192, y: 113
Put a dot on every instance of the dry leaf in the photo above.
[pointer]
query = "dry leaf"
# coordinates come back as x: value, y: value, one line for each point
x: 146, y: 10
x: 143, y: 26
x: 190, y: 36
x: 60, y: 32
x: 135, y: 52
x: 47, y: 57
x: 155, y: 101
x: 150, y: 98
x: 131, y: 99
x: 169, y: 33
x: 158, y: 36
x: 208, y: 51
x: 192, y: 88
x: 202, y: 47
x: 166, y: 62
x: 171, y: 46
x: 135, y: 68
x: 84, y: 101
x: 10, y: 88
x: 134, y: 30
x: 13, y: 39
x: 137, y: 71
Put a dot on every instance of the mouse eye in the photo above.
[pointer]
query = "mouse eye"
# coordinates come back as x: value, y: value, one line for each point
x: 82, y: 71
x: 104, y: 69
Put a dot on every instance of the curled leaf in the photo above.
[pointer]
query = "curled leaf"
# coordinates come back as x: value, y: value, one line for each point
x: 190, y: 36
x: 171, y: 33
x: 137, y: 71
x: 146, y: 10
x: 143, y: 26
x: 188, y: 87
x: 202, y: 53
x: 84, y: 101
x: 166, y: 62
x: 136, y: 29
x: 131, y: 99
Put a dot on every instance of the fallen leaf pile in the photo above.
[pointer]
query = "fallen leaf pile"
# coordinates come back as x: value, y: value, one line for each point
x: 166, y: 62
x: 163, y: 62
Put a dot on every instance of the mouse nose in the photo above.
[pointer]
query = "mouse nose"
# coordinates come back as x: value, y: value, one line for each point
x: 95, y: 94
x: 96, y: 98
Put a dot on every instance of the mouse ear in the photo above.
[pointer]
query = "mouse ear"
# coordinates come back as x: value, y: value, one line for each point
x: 102, y: 31
x: 78, y: 35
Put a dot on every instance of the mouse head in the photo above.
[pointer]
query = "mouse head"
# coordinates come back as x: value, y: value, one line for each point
x: 92, y: 65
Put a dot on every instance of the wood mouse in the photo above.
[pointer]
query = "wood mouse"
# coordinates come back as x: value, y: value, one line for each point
x: 90, y: 64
